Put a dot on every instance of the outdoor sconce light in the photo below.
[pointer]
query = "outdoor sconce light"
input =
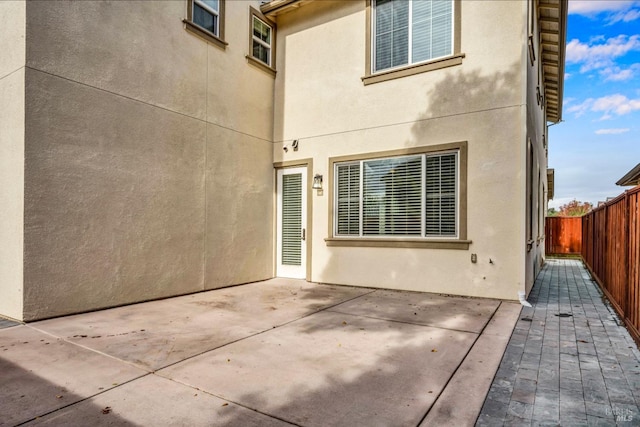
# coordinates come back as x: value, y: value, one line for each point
x: 317, y: 182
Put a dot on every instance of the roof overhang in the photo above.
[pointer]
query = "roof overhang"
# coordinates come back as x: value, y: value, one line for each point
x: 552, y: 20
x: 277, y: 7
x: 631, y: 178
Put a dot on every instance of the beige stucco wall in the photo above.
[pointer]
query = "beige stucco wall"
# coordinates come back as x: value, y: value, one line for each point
x: 322, y: 102
x: 12, y: 46
x: 141, y: 140
x: 536, y: 131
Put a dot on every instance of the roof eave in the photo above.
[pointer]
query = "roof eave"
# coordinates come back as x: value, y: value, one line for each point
x: 631, y: 178
x: 276, y: 7
x: 552, y: 19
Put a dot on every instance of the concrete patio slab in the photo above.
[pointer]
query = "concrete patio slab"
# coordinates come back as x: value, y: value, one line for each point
x: 333, y: 369
x: 449, y: 312
x: 472, y: 380
x: 159, y: 333
x: 268, y: 353
x: 41, y: 373
x: 155, y: 401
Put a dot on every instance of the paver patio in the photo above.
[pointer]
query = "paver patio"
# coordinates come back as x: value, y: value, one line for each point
x: 569, y: 361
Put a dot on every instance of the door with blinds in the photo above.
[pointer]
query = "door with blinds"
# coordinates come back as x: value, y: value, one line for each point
x: 291, y: 223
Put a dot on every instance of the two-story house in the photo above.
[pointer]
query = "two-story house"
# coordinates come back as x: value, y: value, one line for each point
x: 159, y: 148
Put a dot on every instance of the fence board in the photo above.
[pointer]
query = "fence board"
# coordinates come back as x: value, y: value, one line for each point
x: 563, y: 235
x: 611, y: 251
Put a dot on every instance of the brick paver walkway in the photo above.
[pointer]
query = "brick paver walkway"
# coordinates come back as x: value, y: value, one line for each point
x: 568, y: 362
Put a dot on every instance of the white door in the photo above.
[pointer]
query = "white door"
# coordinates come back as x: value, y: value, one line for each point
x: 292, y: 223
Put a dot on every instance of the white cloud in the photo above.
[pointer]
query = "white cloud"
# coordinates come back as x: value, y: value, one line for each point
x: 594, y: 7
x: 618, y: 74
x: 599, y: 55
x: 614, y: 10
x: 580, y: 109
x: 611, y: 131
x: 617, y: 104
x: 627, y: 16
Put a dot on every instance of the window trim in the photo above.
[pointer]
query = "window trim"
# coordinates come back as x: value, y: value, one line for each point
x: 193, y: 28
x: 250, y: 58
x: 371, y: 77
x: 459, y: 242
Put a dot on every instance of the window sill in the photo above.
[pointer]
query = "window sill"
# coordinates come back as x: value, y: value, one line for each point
x: 411, y: 70
x: 207, y: 35
x: 261, y: 65
x: 399, y: 243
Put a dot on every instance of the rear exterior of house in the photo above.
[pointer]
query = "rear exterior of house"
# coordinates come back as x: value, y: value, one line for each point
x: 162, y: 148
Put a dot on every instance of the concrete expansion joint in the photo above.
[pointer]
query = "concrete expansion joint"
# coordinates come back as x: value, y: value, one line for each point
x: 327, y: 308
x: 93, y: 350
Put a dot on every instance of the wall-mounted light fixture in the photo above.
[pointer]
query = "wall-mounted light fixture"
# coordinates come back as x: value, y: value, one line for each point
x: 294, y: 145
x: 317, y: 182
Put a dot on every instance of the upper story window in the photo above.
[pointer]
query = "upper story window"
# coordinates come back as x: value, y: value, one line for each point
x: 261, y: 40
x: 206, y: 19
x: 206, y: 13
x: 408, y: 37
x: 410, y: 32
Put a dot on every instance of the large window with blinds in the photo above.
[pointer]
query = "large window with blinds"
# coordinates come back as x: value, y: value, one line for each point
x: 413, y: 196
x: 407, y: 32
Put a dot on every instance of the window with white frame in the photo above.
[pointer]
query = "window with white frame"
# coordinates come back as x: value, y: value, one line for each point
x: 410, y: 196
x: 262, y: 35
x: 205, y: 19
x: 407, y: 32
x: 206, y: 14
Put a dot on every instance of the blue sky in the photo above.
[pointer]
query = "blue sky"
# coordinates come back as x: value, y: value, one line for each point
x: 599, y: 140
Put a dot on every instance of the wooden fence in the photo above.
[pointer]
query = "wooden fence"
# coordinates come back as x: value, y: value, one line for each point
x: 611, y: 251
x: 563, y: 235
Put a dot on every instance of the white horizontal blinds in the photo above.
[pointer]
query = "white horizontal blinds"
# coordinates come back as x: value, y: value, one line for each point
x: 392, y: 190
x: 206, y: 14
x: 348, y: 199
x: 398, y: 196
x: 441, y: 189
x: 412, y: 31
x: 291, y: 219
x: 261, y: 41
x: 421, y: 31
x: 441, y: 29
x: 432, y: 29
x: 391, y: 33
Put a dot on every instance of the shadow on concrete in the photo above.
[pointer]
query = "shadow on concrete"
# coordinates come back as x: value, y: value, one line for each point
x: 24, y: 397
x: 335, y: 368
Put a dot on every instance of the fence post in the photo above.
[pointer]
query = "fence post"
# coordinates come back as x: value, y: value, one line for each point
x: 627, y: 255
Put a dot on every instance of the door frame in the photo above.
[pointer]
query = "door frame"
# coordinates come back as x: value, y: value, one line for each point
x: 302, y: 163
